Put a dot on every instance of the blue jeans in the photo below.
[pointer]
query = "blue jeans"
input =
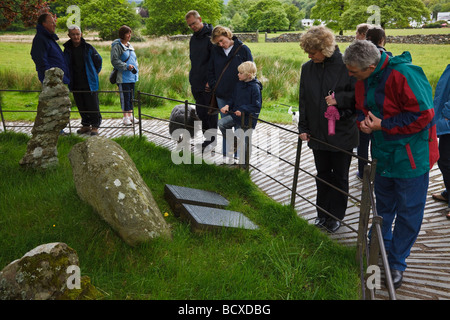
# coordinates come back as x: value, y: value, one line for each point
x: 126, y: 96
x: 222, y: 103
x: 402, y: 200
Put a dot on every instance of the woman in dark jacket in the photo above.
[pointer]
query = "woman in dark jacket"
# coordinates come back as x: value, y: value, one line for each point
x: 226, y: 48
x: 325, y: 82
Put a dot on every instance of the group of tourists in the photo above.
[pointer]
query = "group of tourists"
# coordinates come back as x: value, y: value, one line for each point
x: 364, y: 96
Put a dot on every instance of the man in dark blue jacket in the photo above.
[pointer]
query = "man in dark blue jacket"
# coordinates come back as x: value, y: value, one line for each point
x: 84, y: 64
x: 199, y: 52
x: 45, y: 51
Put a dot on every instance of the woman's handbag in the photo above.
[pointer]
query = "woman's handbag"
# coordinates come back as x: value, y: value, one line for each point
x: 113, y: 76
x: 213, y: 106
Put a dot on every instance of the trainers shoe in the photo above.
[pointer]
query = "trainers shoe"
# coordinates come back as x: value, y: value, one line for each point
x: 134, y: 120
x: 126, y: 121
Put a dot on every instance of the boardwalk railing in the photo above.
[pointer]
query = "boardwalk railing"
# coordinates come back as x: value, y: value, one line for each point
x: 367, y: 254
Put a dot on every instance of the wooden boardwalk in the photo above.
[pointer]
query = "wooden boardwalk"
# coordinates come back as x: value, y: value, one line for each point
x: 428, y: 273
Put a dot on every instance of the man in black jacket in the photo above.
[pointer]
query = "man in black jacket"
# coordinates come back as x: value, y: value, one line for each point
x: 199, y: 51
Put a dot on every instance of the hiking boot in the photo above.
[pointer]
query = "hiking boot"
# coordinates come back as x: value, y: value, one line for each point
x: 94, y: 131
x: 84, y: 130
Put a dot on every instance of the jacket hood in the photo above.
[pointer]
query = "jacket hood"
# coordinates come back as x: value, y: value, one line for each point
x: 405, y: 57
x: 256, y: 82
x: 205, y: 31
x: 40, y: 29
x: 237, y: 41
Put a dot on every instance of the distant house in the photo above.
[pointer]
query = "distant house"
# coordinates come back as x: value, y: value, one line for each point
x: 443, y: 16
x: 309, y: 22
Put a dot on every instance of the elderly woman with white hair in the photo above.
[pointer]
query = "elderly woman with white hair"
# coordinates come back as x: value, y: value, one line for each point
x: 325, y: 82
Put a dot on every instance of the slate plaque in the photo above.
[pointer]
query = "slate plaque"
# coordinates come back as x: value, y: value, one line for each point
x: 176, y: 195
x: 204, y: 218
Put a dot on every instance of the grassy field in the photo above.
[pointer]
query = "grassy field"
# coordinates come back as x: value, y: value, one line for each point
x: 286, y: 258
x: 164, y: 71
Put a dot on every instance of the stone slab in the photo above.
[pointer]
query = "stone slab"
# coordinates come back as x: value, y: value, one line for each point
x: 177, y: 195
x: 205, y: 218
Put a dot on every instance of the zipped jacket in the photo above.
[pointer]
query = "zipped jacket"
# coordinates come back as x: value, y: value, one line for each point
x: 246, y: 98
x: 92, y: 61
x: 120, y: 53
x: 399, y: 93
x: 46, y: 54
x: 316, y: 80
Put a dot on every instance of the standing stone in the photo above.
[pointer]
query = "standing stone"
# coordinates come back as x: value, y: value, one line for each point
x: 53, y: 115
x: 106, y: 177
x: 44, y: 273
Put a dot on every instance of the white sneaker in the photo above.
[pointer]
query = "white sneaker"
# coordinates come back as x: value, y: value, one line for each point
x: 134, y: 120
x: 126, y: 121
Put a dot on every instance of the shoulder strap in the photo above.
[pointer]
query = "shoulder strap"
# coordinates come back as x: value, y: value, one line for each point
x: 128, y: 56
x: 226, y: 66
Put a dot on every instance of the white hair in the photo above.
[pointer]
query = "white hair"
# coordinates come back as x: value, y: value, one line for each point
x: 361, y: 54
x: 74, y: 27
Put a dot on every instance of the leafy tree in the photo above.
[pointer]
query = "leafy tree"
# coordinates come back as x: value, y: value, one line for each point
x: 238, y: 6
x: 392, y: 13
x: 104, y: 16
x: 107, y: 16
x: 330, y: 12
x: 167, y: 17
x: 25, y: 11
x: 267, y: 15
x: 238, y: 23
x: 293, y: 14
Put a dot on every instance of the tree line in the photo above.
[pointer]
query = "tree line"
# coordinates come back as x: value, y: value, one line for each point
x: 166, y: 17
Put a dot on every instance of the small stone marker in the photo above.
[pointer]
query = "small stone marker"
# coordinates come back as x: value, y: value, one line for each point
x: 205, y: 218
x: 177, y: 195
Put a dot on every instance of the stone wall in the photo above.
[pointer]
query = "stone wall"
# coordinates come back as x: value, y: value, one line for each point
x: 412, y: 39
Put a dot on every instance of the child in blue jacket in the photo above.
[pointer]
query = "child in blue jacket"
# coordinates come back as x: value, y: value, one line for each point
x: 246, y: 100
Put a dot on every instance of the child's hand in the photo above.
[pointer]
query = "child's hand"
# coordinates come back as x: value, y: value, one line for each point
x: 238, y: 113
x: 225, y: 109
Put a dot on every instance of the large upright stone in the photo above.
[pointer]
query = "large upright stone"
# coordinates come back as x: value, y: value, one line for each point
x: 53, y: 114
x: 106, y: 177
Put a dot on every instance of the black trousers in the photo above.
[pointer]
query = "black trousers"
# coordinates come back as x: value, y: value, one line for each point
x: 208, y: 121
x: 444, y: 160
x: 332, y: 167
x: 88, y: 101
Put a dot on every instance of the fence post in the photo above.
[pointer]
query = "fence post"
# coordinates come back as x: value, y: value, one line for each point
x: 1, y: 113
x: 247, y: 145
x: 139, y: 113
x: 374, y: 251
x: 364, y: 215
x: 185, y: 113
x: 296, y: 170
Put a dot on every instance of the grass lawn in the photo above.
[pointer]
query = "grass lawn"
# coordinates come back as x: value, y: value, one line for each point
x: 286, y: 258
